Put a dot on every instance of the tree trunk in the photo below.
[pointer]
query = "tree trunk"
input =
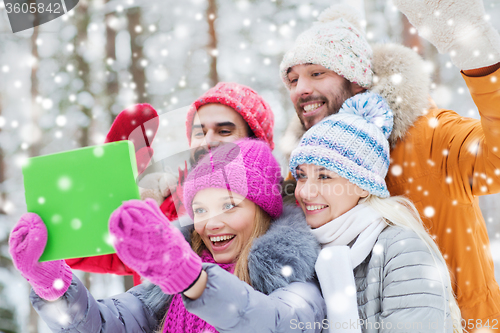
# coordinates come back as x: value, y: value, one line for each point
x: 83, y: 69
x: 111, y: 78
x: 3, y: 195
x: 128, y: 282
x: 137, y: 69
x: 411, y: 40
x: 34, y: 149
x: 212, y: 44
x: 82, y: 18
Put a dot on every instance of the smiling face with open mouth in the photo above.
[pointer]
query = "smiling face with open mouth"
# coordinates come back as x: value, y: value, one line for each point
x: 225, y: 222
x: 323, y: 195
x: 215, y: 124
x: 317, y: 92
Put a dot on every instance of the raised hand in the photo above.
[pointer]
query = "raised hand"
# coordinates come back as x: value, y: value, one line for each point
x: 458, y: 27
x: 146, y: 242
x: 50, y: 279
x: 138, y: 124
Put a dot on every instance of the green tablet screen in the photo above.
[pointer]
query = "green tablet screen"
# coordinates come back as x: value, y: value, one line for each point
x: 75, y: 192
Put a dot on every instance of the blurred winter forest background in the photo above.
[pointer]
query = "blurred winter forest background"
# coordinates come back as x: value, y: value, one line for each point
x: 62, y: 84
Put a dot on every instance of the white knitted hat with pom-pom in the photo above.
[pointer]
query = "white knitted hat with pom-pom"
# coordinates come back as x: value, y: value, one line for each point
x: 336, y: 41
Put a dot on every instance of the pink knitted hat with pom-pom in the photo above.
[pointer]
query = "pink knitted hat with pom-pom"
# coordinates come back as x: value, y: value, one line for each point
x: 246, y: 167
x: 244, y: 100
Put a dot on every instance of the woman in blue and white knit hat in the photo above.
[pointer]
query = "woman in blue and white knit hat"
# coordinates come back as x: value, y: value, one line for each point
x: 379, y: 269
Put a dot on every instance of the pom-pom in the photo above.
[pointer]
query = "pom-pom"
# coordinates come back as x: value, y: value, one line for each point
x: 335, y: 12
x: 373, y: 108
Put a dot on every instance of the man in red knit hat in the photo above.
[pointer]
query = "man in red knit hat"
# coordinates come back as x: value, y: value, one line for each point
x: 224, y: 113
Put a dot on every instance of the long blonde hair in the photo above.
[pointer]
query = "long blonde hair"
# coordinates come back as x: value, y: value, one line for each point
x: 400, y: 211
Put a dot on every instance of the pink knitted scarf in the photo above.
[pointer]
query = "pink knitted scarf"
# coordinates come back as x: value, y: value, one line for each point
x: 179, y: 319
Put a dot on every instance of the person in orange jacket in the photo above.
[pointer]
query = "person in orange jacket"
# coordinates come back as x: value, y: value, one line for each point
x: 440, y: 160
x: 225, y: 113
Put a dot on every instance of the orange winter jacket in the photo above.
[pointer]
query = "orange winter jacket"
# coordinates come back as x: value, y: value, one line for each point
x: 443, y: 164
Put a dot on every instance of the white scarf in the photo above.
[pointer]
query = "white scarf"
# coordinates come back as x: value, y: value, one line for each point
x: 337, y: 261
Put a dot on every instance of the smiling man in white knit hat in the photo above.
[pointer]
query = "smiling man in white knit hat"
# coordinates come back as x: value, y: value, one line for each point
x: 440, y: 160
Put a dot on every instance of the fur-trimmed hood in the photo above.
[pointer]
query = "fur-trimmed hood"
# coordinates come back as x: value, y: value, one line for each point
x: 400, y: 77
x: 285, y: 254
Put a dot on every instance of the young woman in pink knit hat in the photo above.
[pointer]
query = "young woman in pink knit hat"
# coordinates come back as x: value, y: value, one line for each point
x: 247, y: 266
x: 225, y: 113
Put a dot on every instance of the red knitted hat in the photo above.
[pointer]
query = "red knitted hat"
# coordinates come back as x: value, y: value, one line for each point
x: 244, y: 100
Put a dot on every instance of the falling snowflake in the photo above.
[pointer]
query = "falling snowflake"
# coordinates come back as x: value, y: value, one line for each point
x: 109, y: 239
x: 396, y: 170
x: 9, y: 207
x: 378, y: 249
x: 429, y: 211
x: 56, y: 218
x: 326, y: 254
x: 350, y: 290
x: 474, y: 147
x: 64, y: 183
x: 47, y: 104
x: 98, y: 151
x: 433, y: 122
x: 396, y: 78
x: 61, y: 120
x: 76, y: 223
x: 58, y: 284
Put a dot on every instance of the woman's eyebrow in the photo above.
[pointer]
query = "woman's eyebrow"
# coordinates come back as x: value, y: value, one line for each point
x: 226, y: 198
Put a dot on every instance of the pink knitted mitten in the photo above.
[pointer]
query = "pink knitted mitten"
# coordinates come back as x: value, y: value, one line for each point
x: 146, y: 242
x: 49, y: 279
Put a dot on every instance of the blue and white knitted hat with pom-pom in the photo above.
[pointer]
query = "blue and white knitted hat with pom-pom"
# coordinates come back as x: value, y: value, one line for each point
x: 352, y: 143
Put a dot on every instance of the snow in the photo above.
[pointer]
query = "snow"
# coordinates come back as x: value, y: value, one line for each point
x: 76, y: 223
x: 286, y: 271
x: 64, y: 183
x: 252, y: 37
x: 429, y: 211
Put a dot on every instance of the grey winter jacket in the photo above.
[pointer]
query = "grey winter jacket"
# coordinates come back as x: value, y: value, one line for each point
x: 399, y: 288
x: 278, y: 303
